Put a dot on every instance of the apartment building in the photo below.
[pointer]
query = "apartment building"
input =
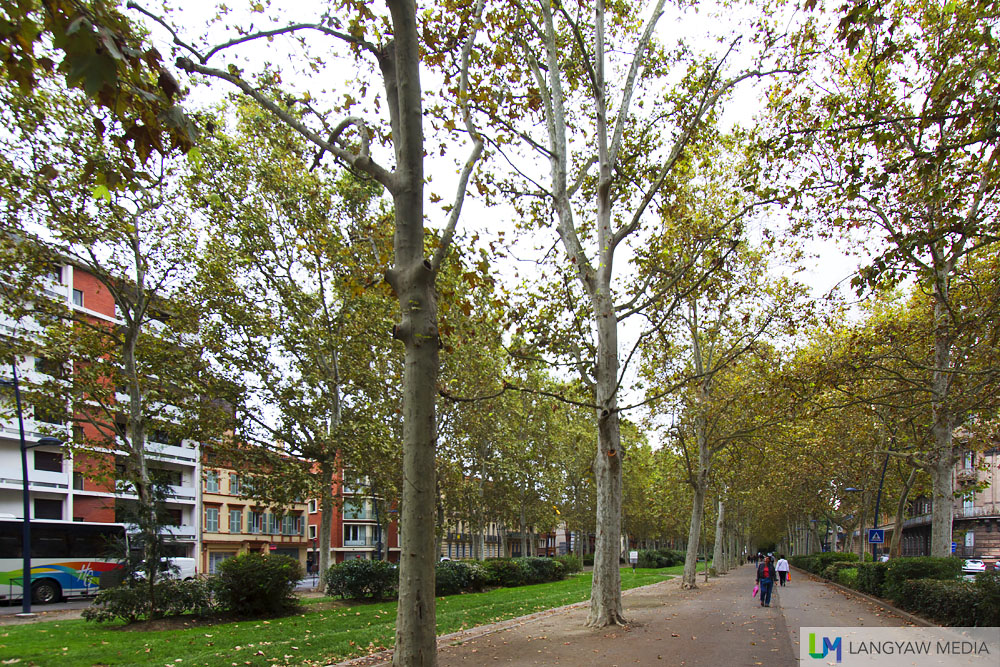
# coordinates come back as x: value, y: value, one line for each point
x: 975, y: 510
x: 363, y: 527
x: 233, y: 523
x: 81, y: 487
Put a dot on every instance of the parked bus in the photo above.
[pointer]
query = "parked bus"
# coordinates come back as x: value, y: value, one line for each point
x: 68, y: 558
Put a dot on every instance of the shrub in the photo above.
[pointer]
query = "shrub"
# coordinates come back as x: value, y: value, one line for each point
x: 539, y: 570
x: 802, y: 562
x: 919, y: 567
x: 871, y: 578
x: 129, y: 603
x: 988, y: 602
x: 947, y: 602
x: 832, y: 570
x: 571, y: 563
x: 847, y: 577
x: 256, y: 584
x: 360, y: 579
x: 505, y: 572
x: 654, y: 559
x: 588, y: 560
x: 451, y: 577
x: 479, y: 577
x: 132, y: 602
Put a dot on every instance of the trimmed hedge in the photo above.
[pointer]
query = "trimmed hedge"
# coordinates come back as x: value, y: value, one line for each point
x: 871, y: 578
x: 833, y: 570
x: 918, y: 567
x: 818, y: 562
x: 660, y: 558
x: 362, y: 579
x: 947, y: 602
x: 847, y: 577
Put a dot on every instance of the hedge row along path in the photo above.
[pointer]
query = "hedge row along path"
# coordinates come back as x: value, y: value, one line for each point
x: 717, y: 624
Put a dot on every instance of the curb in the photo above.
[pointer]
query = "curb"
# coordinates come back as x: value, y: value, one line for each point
x: 461, y: 636
x: 916, y: 620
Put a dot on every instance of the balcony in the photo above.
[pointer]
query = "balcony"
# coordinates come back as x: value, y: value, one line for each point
x: 163, y: 451
x: 987, y: 510
x: 967, y: 476
x: 359, y: 543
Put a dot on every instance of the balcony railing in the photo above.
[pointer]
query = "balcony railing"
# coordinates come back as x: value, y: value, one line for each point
x: 367, y: 542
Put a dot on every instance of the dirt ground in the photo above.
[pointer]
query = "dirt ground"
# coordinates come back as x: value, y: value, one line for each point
x: 718, y: 624
x: 709, y: 626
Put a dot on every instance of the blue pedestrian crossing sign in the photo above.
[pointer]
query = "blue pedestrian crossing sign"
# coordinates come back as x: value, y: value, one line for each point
x: 876, y: 536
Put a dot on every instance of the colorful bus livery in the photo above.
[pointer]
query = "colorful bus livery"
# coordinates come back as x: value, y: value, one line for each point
x: 67, y: 558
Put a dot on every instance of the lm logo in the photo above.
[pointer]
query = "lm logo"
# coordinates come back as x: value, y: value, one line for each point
x: 828, y: 646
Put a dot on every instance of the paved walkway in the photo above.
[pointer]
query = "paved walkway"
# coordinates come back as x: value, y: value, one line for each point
x: 719, y: 624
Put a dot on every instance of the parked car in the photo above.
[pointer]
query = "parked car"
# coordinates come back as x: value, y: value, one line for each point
x: 176, y: 568
x: 973, y: 566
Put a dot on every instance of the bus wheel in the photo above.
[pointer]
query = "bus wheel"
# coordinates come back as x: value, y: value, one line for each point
x: 45, y: 591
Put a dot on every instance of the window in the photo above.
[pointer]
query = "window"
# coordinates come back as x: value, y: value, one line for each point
x: 236, y: 521
x: 48, y: 509
x: 172, y: 517
x: 212, y: 481
x: 313, y: 532
x: 168, y: 476
x: 53, y: 367
x: 234, y: 484
x: 212, y: 519
x: 274, y: 526
x: 288, y: 526
x: 54, y: 273
x: 313, y: 507
x: 48, y: 461
x: 216, y: 557
x: 50, y: 416
x: 355, y: 509
x: 256, y: 523
x: 78, y: 297
x: 77, y: 481
x: 355, y: 536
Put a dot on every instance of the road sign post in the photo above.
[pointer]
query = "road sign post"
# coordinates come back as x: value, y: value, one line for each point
x: 633, y: 557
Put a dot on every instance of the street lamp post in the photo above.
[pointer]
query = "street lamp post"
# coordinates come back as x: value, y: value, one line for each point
x: 878, y: 501
x: 25, y: 498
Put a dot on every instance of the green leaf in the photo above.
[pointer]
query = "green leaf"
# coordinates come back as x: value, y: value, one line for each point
x: 101, y: 192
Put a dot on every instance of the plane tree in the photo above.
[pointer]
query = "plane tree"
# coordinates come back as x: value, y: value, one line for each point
x: 295, y: 308
x: 127, y: 367
x: 596, y: 120
x: 343, y: 126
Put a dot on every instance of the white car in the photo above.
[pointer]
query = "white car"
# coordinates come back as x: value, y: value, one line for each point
x: 973, y: 566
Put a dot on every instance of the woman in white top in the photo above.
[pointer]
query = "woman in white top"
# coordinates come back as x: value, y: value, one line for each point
x: 781, y: 567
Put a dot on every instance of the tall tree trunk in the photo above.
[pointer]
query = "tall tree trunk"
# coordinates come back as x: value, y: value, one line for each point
x: 694, y: 531
x: 718, y: 560
x: 412, y: 279
x: 896, y: 543
x: 326, y: 513
x: 943, y: 457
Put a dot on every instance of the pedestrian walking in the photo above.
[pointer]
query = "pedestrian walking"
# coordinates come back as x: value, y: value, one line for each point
x: 766, y: 576
x: 782, y: 569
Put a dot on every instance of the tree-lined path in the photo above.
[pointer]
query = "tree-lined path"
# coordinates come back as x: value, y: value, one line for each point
x: 717, y: 624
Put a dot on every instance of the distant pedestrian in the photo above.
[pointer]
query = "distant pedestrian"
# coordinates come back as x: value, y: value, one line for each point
x: 766, y: 577
x: 782, y: 568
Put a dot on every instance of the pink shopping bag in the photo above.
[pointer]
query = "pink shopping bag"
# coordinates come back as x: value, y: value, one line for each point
x: 756, y: 588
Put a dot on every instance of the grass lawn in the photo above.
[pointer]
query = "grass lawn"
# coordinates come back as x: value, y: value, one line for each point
x: 325, y: 631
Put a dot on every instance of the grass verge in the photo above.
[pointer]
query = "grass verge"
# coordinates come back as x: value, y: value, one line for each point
x: 324, y: 632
